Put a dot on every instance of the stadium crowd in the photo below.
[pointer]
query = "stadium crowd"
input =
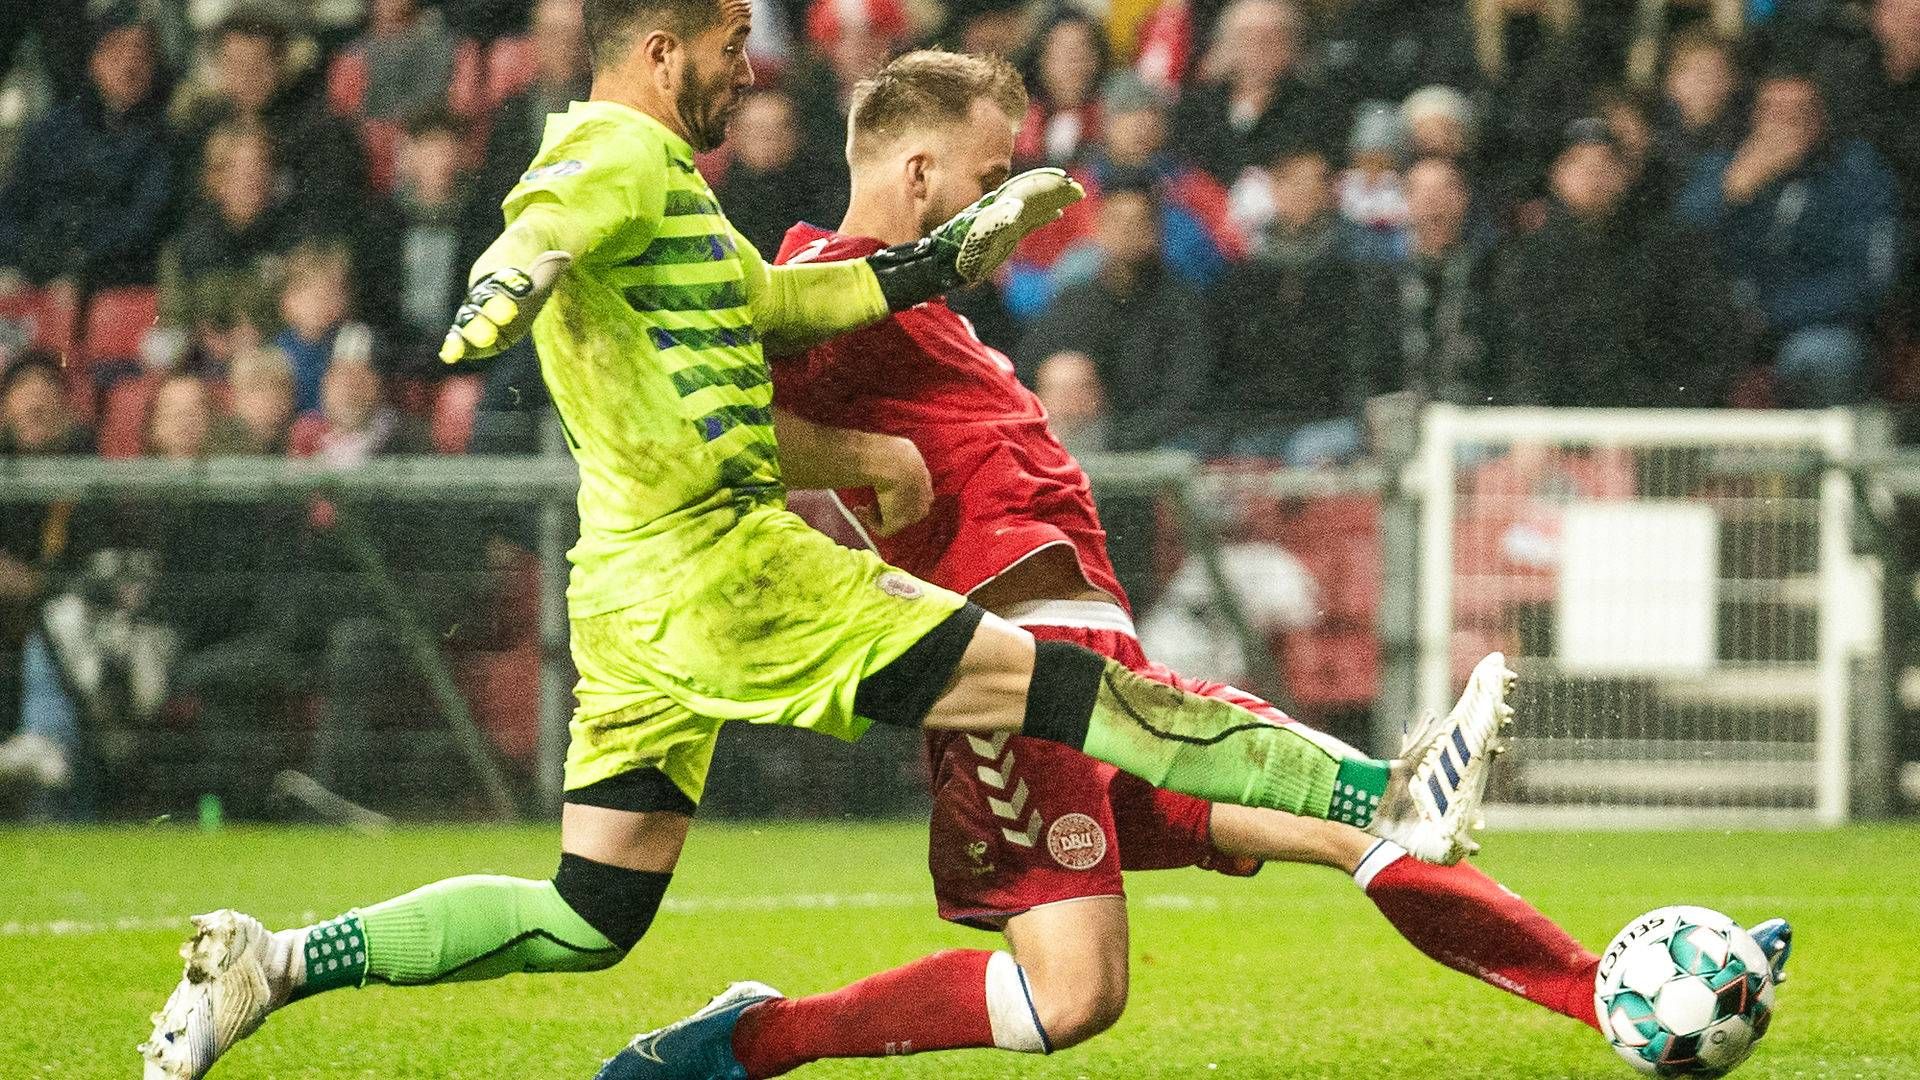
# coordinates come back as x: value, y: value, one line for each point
x: 242, y: 229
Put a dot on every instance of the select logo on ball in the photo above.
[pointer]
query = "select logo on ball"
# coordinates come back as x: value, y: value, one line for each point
x: 1076, y: 842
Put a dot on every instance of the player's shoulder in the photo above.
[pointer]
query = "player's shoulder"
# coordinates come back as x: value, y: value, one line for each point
x: 805, y: 243
x: 601, y: 138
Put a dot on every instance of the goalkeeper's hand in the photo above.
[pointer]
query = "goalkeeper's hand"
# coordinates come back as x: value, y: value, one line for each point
x: 500, y: 307
x: 971, y: 246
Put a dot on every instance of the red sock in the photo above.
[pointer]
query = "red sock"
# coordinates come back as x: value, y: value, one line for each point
x: 938, y: 1002
x: 1471, y: 923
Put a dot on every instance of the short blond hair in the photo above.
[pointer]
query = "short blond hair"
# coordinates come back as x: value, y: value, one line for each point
x: 927, y: 87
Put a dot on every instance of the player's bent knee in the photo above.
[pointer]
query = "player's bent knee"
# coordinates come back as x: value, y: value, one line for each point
x: 1074, y: 1013
x: 618, y: 902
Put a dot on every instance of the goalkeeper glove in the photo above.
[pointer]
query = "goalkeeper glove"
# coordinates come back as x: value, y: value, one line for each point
x: 500, y: 307
x: 971, y: 246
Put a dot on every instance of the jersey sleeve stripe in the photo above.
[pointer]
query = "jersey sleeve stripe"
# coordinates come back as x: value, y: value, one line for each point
x: 713, y: 337
x: 683, y: 201
x: 753, y: 467
x: 697, y: 377
x: 676, y: 250
x: 714, y: 297
x: 727, y: 417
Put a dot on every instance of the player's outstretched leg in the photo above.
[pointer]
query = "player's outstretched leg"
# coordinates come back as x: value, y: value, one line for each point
x: 585, y: 918
x: 1427, y: 800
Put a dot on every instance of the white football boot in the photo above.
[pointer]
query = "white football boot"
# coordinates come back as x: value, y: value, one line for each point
x: 225, y: 994
x: 1433, y: 799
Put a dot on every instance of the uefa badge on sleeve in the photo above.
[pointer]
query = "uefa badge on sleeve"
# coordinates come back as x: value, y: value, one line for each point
x: 899, y: 586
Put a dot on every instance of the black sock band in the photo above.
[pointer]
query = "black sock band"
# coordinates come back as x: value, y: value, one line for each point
x: 614, y: 900
x: 902, y: 693
x: 1066, y: 681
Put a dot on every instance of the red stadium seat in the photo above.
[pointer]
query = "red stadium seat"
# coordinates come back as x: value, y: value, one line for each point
x: 500, y: 677
x: 123, y: 416
x: 117, y: 323
x: 454, y: 402
x: 1333, y: 668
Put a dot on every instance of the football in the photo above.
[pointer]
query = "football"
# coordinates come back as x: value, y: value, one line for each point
x: 1683, y: 991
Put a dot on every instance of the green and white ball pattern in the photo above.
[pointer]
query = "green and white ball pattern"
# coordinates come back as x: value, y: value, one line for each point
x: 1683, y: 991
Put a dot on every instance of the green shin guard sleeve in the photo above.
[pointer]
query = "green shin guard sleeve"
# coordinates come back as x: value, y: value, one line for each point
x: 479, y: 927
x: 1209, y: 748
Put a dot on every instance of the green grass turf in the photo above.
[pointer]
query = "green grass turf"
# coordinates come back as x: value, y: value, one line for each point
x: 1291, y: 974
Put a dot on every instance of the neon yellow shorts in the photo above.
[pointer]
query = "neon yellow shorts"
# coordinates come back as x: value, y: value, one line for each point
x: 774, y: 624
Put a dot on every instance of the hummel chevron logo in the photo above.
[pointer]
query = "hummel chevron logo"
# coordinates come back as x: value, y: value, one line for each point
x: 991, y: 746
x: 1026, y: 837
x: 1010, y: 809
x: 997, y: 779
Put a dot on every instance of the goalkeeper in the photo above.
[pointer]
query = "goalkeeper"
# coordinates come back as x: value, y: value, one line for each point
x: 696, y: 598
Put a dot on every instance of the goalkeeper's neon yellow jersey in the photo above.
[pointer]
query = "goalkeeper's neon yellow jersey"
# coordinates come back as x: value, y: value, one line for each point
x: 649, y: 349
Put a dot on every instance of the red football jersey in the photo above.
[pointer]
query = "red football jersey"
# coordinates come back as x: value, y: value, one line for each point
x: 1003, y: 486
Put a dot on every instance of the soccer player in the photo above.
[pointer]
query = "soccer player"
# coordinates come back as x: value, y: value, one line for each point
x: 696, y: 598
x: 1030, y: 837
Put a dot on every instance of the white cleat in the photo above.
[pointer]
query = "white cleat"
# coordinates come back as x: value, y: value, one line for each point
x: 222, y: 998
x: 1433, y: 800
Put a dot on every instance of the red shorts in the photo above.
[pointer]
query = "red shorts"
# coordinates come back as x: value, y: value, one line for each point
x: 1021, y: 822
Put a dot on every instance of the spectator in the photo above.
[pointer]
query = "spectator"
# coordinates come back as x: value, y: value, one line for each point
x: 853, y: 39
x: 1425, y: 319
x: 217, y: 276
x: 1138, y: 325
x: 401, y: 66
x: 35, y: 416
x: 1198, y: 238
x: 1371, y: 193
x: 418, y: 245
x: 255, y: 78
x: 1064, y: 72
x: 354, y: 421
x: 1068, y: 386
x: 1254, y: 92
x: 85, y: 197
x: 1699, y: 111
x: 1808, y: 226
x: 327, y: 625
x: 1652, y: 183
x: 1438, y: 121
x: 1287, y: 361
x: 313, y: 307
x: 561, y: 75
x: 1599, y: 308
x: 94, y: 669
x: 1880, y: 96
x: 768, y: 186
x: 1385, y: 49
x: 261, y: 420
x: 1288, y: 201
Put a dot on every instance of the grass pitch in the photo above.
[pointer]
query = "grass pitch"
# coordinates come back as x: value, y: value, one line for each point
x: 1290, y: 974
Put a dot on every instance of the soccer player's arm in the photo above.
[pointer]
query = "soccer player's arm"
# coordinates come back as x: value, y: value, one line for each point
x: 815, y: 456
x: 798, y: 306
x: 587, y: 190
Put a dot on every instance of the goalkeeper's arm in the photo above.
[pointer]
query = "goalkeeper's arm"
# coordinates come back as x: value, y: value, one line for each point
x: 510, y: 281
x: 799, y: 305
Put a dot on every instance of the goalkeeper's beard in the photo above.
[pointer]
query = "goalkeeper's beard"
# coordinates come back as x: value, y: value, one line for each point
x: 704, y: 105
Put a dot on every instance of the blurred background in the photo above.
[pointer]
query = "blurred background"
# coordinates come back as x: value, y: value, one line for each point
x: 1392, y: 332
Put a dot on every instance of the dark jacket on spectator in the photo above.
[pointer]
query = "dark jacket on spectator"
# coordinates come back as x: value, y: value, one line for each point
x: 86, y: 194
x: 1624, y: 312
x: 1299, y: 112
x: 763, y: 206
x: 413, y: 262
x: 1817, y: 247
x: 1422, y: 325
x: 216, y: 275
x: 1151, y: 345
x: 1868, y: 103
x: 320, y: 160
x: 1289, y: 319
x: 1383, y: 50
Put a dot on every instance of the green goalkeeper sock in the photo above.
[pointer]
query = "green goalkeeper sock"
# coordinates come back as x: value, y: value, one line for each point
x: 464, y: 928
x: 1215, y: 750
